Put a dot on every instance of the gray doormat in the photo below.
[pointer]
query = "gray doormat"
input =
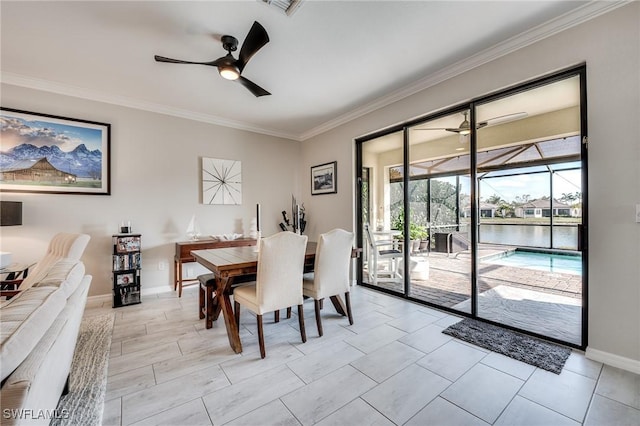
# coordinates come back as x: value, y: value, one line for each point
x: 88, y: 379
x: 537, y: 352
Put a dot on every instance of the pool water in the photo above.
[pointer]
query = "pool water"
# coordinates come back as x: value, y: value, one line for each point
x: 549, y: 262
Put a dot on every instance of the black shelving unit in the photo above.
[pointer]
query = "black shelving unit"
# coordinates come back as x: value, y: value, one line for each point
x: 126, y: 265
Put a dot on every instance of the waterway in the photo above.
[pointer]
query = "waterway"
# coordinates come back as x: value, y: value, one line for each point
x: 564, y: 237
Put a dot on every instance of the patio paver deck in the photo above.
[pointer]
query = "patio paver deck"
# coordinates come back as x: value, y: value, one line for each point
x: 449, y: 285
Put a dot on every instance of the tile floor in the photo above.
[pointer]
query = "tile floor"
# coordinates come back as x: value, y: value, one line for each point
x: 393, y: 366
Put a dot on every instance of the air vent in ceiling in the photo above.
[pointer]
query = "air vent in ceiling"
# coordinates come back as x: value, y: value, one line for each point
x: 286, y: 6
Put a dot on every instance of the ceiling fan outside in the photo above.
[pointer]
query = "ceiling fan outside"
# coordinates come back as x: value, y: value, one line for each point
x: 229, y: 67
x: 465, y: 127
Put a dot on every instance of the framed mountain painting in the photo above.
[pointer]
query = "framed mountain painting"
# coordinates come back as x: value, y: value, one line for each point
x: 51, y: 154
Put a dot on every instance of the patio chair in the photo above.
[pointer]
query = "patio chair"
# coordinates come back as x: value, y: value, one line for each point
x: 385, y: 259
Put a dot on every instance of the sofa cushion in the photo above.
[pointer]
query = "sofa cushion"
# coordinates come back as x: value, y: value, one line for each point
x: 25, y: 319
x: 66, y: 274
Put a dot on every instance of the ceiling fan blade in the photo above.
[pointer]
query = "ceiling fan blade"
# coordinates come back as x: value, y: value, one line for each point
x: 253, y: 88
x: 501, y: 119
x: 256, y: 38
x: 179, y: 61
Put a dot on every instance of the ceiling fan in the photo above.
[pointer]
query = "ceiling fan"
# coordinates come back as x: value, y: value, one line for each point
x: 229, y: 67
x: 465, y: 127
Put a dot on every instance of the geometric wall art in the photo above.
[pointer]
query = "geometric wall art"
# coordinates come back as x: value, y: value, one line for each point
x: 221, y: 181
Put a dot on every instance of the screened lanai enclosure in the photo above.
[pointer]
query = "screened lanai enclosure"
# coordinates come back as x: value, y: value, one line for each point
x: 481, y: 209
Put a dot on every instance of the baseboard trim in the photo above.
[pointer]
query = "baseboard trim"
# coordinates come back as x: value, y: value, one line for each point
x: 155, y: 290
x: 144, y: 291
x: 99, y: 298
x: 632, y: 365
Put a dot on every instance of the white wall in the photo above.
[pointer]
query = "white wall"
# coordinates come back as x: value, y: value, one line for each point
x: 155, y: 183
x: 610, y: 46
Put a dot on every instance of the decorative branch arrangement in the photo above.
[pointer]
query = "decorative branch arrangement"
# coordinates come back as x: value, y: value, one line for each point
x: 298, y: 222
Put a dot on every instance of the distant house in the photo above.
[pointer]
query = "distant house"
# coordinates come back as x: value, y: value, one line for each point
x: 486, y: 210
x: 544, y: 208
x: 35, y: 171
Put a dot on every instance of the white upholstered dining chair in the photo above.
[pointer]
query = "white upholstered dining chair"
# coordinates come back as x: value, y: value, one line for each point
x: 278, y: 282
x: 330, y: 276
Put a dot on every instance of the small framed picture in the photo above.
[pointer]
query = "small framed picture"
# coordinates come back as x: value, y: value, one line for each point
x: 324, y: 179
x: 125, y: 278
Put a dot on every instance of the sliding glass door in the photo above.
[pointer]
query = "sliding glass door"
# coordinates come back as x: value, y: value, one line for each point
x: 382, y: 201
x: 439, y: 195
x: 482, y: 208
x: 529, y: 172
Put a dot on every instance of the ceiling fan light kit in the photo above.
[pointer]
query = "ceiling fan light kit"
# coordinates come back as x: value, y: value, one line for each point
x: 229, y: 67
x: 229, y: 72
x: 464, y: 128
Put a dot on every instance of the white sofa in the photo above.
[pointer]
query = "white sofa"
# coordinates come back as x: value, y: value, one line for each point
x: 39, y: 328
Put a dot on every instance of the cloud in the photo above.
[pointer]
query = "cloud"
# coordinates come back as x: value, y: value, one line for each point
x: 16, y: 131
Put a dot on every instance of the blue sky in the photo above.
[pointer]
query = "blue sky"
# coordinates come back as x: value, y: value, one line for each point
x: 536, y: 185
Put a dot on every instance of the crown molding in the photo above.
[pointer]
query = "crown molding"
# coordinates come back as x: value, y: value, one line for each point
x: 99, y: 96
x: 578, y: 16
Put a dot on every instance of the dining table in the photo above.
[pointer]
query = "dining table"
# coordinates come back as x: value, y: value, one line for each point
x: 229, y: 264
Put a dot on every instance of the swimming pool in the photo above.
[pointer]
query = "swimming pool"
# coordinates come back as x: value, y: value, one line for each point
x: 541, y: 261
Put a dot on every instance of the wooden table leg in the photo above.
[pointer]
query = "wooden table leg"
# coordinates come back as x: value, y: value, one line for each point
x: 222, y: 294
x: 339, y: 305
x: 179, y: 281
x: 217, y: 308
x: 175, y: 274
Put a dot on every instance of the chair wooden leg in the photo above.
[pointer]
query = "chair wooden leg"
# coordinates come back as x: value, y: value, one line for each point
x: 276, y: 316
x: 202, y: 303
x: 322, y: 303
x: 209, y: 307
x: 347, y: 300
x: 263, y: 353
x: 303, y: 333
x: 318, y: 320
x: 289, y: 312
x: 236, y: 313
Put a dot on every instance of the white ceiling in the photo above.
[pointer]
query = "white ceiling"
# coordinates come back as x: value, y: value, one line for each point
x: 327, y: 63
